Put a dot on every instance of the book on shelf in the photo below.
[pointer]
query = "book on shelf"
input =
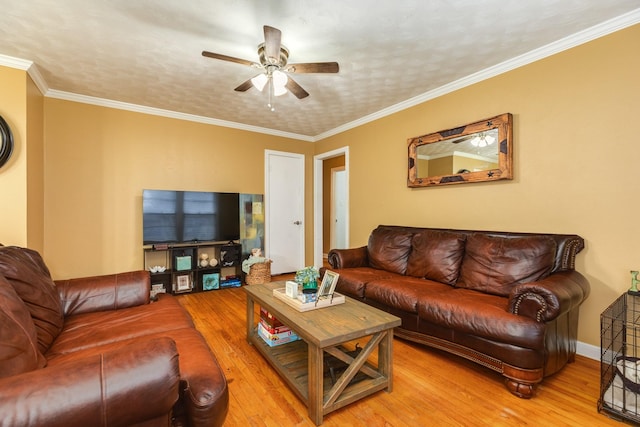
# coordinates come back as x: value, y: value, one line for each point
x: 273, y: 340
x: 274, y: 329
x: 269, y: 318
x: 271, y: 323
x: 230, y: 283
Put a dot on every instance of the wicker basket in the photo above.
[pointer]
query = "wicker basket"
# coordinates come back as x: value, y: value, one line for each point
x: 259, y: 273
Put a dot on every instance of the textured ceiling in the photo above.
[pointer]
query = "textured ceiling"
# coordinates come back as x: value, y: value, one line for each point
x: 148, y: 52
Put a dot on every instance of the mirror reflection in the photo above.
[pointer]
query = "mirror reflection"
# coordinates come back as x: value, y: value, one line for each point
x: 477, y: 152
x: 470, y: 153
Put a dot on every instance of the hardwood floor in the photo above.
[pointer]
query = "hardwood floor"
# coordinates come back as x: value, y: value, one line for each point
x: 430, y: 387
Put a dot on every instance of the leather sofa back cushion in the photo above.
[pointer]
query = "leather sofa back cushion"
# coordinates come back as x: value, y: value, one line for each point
x: 389, y: 249
x: 18, y: 339
x: 495, y: 264
x: 436, y: 255
x: 30, y: 278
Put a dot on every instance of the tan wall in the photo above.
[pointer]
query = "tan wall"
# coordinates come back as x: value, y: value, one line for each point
x: 576, y: 162
x: 35, y: 167
x: 13, y: 175
x: 98, y: 161
x: 441, y: 166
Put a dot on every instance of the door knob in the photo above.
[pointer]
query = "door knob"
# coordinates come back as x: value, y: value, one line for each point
x: 297, y: 222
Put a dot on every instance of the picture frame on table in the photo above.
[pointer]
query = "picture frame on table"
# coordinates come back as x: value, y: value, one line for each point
x: 328, y: 284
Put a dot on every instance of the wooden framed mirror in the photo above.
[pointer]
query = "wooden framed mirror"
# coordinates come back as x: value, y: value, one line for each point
x: 477, y: 152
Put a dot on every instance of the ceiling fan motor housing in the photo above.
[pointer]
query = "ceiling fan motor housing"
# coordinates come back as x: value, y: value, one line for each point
x: 282, y: 61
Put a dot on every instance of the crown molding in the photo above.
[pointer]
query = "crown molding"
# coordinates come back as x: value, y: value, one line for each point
x: 585, y: 36
x: 17, y: 63
x: 28, y: 66
x: 102, y: 102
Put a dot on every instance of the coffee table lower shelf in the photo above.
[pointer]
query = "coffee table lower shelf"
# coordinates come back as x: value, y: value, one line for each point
x: 291, y: 361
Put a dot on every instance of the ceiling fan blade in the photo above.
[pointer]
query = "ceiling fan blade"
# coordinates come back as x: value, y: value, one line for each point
x: 272, y: 43
x: 314, y: 67
x: 463, y: 139
x: 227, y: 58
x: 244, y: 86
x: 296, y: 89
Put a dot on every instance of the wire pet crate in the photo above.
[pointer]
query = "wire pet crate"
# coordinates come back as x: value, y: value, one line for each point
x: 620, y: 359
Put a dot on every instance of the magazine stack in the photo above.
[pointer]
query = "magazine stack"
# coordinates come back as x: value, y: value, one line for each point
x: 274, y: 332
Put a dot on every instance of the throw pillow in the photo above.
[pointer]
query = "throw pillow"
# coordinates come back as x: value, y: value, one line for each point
x: 18, y: 339
x: 436, y: 255
x: 388, y: 249
x: 494, y: 264
x: 25, y: 270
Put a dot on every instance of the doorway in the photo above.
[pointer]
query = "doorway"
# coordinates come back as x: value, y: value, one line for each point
x: 337, y: 234
x: 318, y: 204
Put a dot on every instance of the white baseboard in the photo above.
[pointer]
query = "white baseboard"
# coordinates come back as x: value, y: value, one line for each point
x: 588, y: 350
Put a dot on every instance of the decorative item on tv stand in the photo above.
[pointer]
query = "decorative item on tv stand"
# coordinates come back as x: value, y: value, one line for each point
x: 205, y: 261
x: 634, y: 284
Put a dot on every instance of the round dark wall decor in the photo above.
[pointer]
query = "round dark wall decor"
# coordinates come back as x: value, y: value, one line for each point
x: 6, y: 142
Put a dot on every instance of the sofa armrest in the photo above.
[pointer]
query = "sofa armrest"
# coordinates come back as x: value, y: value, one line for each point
x: 108, y: 292
x: 348, y: 258
x: 550, y: 297
x: 122, y: 387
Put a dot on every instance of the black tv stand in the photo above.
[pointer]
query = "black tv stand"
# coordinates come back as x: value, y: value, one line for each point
x: 185, y: 270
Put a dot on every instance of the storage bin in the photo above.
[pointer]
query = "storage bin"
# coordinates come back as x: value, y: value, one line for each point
x: 259, y: 273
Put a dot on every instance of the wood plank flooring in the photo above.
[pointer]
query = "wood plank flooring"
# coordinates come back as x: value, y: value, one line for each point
x: 431, y: 388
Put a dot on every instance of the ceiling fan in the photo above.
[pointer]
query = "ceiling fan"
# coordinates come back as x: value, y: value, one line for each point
x: 275, y: 69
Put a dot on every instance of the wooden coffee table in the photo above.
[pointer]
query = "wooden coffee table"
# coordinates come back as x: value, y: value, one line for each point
x: 302, y: 363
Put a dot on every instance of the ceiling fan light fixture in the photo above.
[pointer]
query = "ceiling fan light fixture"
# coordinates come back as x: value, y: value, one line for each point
x: 260, y: 81
x: 279, y: 91
x: 279, y: 80
x: 482, y: 140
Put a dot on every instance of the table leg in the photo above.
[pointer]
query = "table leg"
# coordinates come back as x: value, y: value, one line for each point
x: 250, y: 311
x: 316, y: 378
x: 385, y: 356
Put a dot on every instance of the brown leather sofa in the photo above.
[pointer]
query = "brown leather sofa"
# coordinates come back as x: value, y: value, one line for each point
x: 96, y: 352
x: 508, y: 301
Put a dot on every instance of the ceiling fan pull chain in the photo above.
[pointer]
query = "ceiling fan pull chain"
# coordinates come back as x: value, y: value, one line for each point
x: 270, y: 104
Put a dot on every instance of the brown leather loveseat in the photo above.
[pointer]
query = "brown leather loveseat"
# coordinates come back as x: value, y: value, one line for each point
x: 508, y: 301
x: 96, y: 352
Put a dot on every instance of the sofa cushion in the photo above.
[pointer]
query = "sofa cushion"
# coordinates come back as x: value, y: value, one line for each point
x: 30, y: 277
x: 205, y: 394
x: 404, y: 293
x: 99, y: 328
x: 353, y: 281
x: 389, y: 249
x: 436, y: 255
x: 18, y: 339
x: 483, y: 315
x: 495, y: 264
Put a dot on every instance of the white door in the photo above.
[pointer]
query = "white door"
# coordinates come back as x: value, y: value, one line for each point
x: 284, y: 214
x: 338, y: 208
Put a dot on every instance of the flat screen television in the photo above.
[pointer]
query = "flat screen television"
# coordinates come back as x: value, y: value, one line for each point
x: 189, y: 216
